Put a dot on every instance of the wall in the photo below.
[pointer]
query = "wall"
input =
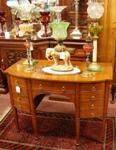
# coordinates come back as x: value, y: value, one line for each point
x: 111, y: 34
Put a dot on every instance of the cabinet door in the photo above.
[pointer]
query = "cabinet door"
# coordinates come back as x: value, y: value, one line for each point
x: 69, y: 13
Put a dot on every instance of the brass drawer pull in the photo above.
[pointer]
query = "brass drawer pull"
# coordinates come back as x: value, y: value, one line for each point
x: 63, y: 89
x: 92, y: 114
x: 40, y: 85
x: 93, y: 97
x: 92, y: 106
x: 93, y: 88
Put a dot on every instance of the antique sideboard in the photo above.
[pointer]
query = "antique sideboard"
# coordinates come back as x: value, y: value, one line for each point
x: 90, y: 95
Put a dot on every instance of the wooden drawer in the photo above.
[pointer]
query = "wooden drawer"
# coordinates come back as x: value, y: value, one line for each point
x: 54, y: 87
x: 19, y: 87
x: 92, y: 96
x: 91, y: 105
x: 92, y: 87
x: 91, y: 108
x: 60, y: 88
x: 22, y: 104
x: 91, y: 113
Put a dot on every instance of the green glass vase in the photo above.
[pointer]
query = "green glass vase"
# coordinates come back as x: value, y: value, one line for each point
x: 59, y: 30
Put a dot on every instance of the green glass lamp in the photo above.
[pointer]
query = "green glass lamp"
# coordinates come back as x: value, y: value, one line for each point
x: 59, y: 52
x: 59, y: 30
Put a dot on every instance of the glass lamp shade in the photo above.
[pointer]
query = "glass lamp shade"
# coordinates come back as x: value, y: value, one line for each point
x: 12, y: 3
x: 59, y: 30
x: 23, y: 12
x: 95, y: 10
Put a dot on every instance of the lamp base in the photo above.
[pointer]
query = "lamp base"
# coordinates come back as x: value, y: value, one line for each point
x: 76, y: 34
x: 29, y: 66
x: 94, y: 67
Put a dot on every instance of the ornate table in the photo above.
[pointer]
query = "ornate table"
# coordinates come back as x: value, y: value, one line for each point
x: 89, y: 94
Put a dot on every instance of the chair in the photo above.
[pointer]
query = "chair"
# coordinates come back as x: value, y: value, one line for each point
x: 3, y: 83
x: 113, y: 91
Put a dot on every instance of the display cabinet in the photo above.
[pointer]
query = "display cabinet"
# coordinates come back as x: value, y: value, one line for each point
x: 69, y: 13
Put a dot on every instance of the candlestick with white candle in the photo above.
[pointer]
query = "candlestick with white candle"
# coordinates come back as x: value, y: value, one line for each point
x: 94, y: 57
x: 94, y: 66
x: 57, y: 2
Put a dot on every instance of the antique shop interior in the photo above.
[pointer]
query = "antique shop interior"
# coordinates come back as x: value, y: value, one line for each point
x: 58, y: 74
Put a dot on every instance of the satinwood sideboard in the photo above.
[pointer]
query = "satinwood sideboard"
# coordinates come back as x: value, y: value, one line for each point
x: 89, y: 94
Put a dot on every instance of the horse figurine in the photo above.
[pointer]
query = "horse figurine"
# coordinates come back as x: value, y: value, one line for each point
x: 56, y: 56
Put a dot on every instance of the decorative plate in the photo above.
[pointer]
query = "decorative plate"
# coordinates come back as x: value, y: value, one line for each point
x: 51, y: 71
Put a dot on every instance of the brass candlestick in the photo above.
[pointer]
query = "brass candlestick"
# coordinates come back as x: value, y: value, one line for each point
x: 29, y: 48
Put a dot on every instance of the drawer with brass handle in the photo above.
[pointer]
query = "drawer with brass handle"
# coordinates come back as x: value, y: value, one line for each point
x: 92, y: 87
x: 21, y: 105
x: 54, y: 87
x: 19, y: 86
x: 92, y: 96
x: 91, y: 105
x: 91, y: 113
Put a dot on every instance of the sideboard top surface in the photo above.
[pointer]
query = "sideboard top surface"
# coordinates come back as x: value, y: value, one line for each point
x: 19, y: 69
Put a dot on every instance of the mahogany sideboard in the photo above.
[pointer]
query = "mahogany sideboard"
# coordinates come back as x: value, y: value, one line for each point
x: 89, y: 94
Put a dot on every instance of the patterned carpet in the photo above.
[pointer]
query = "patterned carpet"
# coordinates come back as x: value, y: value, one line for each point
x: 56, y: 132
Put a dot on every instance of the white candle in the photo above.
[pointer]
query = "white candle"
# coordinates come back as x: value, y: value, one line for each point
x: 57, y: 2
x: 94, y: 59
x: 31, y: 46
x: 7, y: 35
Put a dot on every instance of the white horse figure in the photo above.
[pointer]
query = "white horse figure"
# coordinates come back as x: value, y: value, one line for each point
x: 52, y: 54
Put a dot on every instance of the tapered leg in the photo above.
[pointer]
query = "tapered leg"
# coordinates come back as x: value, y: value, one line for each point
x: 77, y: 121
x: 34, y: 124
x: 113, y: 89
x: 16, y: 118
x: 77, y: 117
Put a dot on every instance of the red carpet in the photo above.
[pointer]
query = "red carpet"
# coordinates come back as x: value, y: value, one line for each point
x: 54, y: 134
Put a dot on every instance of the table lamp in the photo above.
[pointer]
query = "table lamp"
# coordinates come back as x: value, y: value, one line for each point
x: 95, y: 11
x: 59, y: 52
